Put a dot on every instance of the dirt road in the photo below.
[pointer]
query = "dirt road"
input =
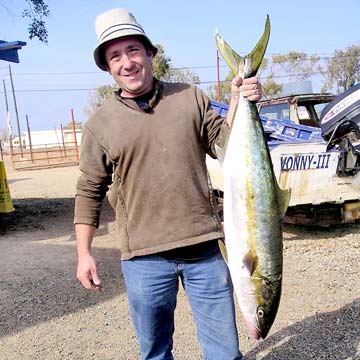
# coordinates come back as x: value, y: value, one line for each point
x: 45, y: 314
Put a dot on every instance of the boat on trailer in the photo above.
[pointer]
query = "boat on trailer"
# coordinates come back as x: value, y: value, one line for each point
x: 319, y: 164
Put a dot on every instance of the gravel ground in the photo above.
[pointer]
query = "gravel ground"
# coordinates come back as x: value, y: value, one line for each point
x: 45, y: 314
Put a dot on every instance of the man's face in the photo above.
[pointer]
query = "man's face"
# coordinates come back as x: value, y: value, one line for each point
x: 130, y: 64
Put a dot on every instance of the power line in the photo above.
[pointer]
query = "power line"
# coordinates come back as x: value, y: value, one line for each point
x: 61, y: 73
x: 195, y: 83
x: 323, y: 57
x: 52, y: 90
x: 175, y: 68
x: 178, y: 68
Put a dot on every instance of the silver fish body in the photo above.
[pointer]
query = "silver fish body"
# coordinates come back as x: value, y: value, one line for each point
x: 253, y: 206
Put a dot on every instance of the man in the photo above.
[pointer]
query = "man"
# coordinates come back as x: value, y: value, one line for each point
x: 149, y: 141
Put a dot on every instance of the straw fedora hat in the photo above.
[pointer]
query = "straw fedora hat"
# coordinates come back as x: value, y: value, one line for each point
x: 114, y: 24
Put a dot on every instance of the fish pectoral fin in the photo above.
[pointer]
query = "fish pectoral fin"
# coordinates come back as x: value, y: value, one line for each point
x: 249, y: 262
x: 223, y: 250
x: 283, y: 198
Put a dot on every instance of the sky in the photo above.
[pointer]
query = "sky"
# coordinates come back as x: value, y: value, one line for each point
x: 51, y: 79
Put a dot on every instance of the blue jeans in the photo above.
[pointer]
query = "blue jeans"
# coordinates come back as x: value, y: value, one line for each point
x: 152, y: 284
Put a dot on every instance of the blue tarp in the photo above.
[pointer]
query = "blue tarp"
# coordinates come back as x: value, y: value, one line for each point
x: 280, y: 131
x: 9, y: 50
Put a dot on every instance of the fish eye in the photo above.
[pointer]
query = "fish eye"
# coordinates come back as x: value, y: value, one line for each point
x: 260, y: 313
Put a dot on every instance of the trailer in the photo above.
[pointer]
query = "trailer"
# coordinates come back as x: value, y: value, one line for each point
x: 323, y: 176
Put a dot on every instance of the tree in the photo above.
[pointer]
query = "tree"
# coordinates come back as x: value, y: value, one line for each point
x: 37, y: 11
x: 270, y: 88
x: 163, y: 69
x: 342, y: 70
x: 225, y: 86
x: 161, y: 63
x: 225, y: 89
x: 98, y: 97
x: 184, y: 75
x: 295, y: 65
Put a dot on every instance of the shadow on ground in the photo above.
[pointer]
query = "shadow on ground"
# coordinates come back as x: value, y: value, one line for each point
x: 38, y: 266
x: 55, y: 214
x: 301, y: 232
x: 11, y: 181
x: 289, y: 343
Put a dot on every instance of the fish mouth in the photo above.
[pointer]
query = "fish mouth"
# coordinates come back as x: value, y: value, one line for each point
x: 253, y: 330
x: 264, y: 333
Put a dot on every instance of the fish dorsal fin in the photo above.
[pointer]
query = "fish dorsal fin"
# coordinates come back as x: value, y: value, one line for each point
x: 248, y: 65
x: 249, y: 262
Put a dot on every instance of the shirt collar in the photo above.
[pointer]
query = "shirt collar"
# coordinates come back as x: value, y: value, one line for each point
x: 151, y: 102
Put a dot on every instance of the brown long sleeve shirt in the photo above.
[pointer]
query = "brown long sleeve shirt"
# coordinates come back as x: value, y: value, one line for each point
x: 155, y: 161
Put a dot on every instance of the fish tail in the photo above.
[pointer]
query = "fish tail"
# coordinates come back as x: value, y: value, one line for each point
x: 248, y: 65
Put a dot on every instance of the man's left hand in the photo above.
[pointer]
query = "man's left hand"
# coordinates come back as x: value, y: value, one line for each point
x: 250, y: 88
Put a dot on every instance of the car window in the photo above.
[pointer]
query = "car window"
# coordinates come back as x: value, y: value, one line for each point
x: 303, y: 113
x: 277, y: 111
x: 319, y: 108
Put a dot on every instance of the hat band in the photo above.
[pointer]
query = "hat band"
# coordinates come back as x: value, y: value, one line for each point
x: 119, y: 27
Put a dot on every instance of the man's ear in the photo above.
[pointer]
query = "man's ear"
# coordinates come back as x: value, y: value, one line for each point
x: 107, y: 67
x: 150, y: 53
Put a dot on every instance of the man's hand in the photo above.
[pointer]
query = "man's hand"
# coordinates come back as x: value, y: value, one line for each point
x: 86, y: 269
x: 250, y: 88
x: 87, y: 273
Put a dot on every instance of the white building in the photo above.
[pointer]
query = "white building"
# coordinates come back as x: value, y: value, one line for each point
x: 47, y: 138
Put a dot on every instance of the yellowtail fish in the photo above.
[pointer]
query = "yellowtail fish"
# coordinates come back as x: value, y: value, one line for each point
x: 254, y: 205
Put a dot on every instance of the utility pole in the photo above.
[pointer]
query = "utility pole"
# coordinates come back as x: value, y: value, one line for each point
x: 8, y: 124
x: 16, y: 112
x: 7, y: 114
x: 74, y: 132
x: 29, y: 135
